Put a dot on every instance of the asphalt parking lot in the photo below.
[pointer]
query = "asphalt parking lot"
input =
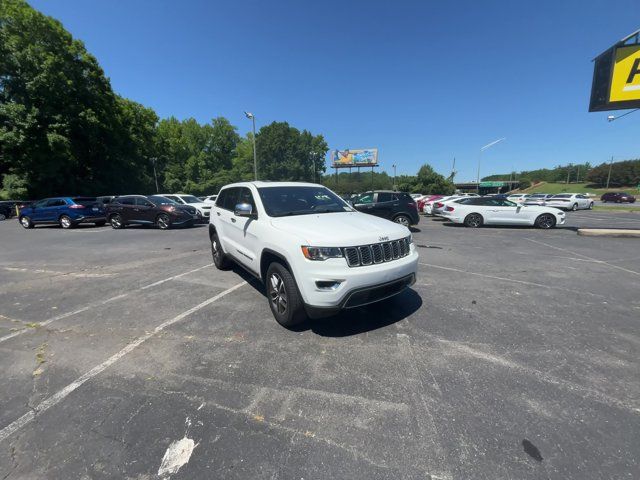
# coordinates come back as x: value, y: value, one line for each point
x: 125, y: 354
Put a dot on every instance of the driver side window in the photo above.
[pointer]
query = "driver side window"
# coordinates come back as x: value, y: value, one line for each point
x: 367, y: 198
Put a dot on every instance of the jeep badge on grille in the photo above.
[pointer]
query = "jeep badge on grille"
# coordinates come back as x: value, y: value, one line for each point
x: 383, y: 239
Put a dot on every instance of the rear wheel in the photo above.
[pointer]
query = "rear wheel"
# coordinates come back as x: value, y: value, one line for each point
x: 116, y: 221
x: 26, y: 222
x: 574, y: 207
x: 473, y: 220
x: 220, y: 260
x: 163, y: 221
x: 546, y: 220
x: 284, y: 299
x: 402, y: 220
x: 66, y: 222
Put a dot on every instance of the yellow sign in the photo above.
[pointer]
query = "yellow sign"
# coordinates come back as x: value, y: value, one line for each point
x: 625, y: 81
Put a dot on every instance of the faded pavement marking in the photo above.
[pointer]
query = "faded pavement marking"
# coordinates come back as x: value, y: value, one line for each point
x: 98, y: 304
x: 62, y: 394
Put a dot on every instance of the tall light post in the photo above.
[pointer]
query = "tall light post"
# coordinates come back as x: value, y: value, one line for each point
x: 155, y: 175
x: 488, y: 145
x: 394, y: 177
x: 252, y: 117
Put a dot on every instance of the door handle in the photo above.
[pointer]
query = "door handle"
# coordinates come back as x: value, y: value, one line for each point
x: 233, y: 220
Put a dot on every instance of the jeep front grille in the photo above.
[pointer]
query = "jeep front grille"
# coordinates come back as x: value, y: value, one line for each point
x: 376, y: 253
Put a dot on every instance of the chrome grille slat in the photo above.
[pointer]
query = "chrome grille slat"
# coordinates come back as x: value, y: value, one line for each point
x: 364, y: 255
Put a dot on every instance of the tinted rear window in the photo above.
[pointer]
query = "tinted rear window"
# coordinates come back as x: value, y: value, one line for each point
x: 84, y: 200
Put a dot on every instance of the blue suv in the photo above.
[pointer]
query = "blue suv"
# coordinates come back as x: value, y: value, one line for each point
x: 65, y: 211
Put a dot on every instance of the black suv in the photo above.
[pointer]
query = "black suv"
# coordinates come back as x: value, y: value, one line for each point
x: 151, y: 210
x: 618, y: 197
x: 396, y: 206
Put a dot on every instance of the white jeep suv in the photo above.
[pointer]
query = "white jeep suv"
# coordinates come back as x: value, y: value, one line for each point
x: 315, y: 254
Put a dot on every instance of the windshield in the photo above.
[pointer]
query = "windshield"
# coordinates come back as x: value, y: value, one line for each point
x: 158, y: 200
x: 285, y: 201
x: 190, y: 199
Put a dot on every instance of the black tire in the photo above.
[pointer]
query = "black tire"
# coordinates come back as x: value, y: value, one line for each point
x: 574, y: 207
x: 473, y: 220
x: 101, y: 223
x: 402, y: 220
x: 220, y: 259
x: 163, y: 221
x: 545, y: 221
x: 283, y: 296
x: 2, y: 217
x: 66, y: 222
x: 591, y: 206
x: 116, y: 221
x: 26, y: 222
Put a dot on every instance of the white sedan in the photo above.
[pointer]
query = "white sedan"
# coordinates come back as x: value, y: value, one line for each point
x: 475, y: 212
x: 203, y: 208
x: 570, y: 201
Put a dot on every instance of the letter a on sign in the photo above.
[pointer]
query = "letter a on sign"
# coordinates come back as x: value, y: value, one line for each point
x: 625, y: 81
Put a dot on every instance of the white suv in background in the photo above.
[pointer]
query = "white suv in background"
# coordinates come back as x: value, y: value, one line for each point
x: 315, y: 254
x: 203, y: 208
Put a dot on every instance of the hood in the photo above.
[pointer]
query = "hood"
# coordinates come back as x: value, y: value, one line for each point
x: 340, y: 229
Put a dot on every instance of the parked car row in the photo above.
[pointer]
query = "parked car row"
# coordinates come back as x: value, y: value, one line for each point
x: 161, y: 211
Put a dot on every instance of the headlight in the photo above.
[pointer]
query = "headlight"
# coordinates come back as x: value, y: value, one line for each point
x: 321, y: 253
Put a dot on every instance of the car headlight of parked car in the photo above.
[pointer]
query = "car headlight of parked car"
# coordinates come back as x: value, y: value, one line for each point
x: 321, y: 253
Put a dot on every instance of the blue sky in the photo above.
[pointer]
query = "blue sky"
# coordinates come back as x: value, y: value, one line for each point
x: 423, y: 81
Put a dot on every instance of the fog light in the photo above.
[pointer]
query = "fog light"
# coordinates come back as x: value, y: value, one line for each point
x: 328, y: 284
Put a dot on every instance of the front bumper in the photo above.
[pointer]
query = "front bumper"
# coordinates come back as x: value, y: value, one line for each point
x: 356, y: 285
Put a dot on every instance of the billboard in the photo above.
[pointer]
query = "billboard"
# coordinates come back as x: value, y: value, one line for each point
x: 616, y: 76
x: 354, y: 158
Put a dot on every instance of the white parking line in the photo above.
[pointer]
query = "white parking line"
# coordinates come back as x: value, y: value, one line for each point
x: 511, y: 280
x: 98, y: 304
x: 595, y: 260
x: 62, y: 394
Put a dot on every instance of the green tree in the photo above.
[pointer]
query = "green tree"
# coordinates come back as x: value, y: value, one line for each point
x: 285, y: 153
x: 430, y: 182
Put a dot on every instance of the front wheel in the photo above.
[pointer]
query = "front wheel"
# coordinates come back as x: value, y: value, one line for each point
x: 163, y: 221
x: 116, y: 221
x: 284, y: 299
x: 591, y: 206
x: 26, y: 222
x: 66, y: 222
x: 220, y: 260
x: 402, y: 220
x: 473, y: 220
x: 546, y: 220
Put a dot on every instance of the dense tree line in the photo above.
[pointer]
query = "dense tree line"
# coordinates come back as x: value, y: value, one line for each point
x: 64, y: 131
x: 623, y: 173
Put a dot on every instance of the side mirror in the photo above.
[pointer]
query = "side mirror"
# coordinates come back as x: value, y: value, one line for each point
x: 243, y: 210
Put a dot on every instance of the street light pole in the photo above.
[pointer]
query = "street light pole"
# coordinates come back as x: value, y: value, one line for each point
x: 394, y: 177
x: 155, y: 175
x: 252, y: 117
x: 488, y: 145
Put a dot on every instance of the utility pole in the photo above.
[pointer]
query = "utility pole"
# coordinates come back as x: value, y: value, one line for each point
x: 609, y: 176
x: 568, y: 173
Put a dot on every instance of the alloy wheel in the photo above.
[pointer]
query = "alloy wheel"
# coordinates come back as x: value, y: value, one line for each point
x: 65, y: 222
x: 546, y: 221
x: 163, y: 222
x: 474, y: 220
x: 277, y: 293
x: 25, y: 222
x: 402, y: 220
